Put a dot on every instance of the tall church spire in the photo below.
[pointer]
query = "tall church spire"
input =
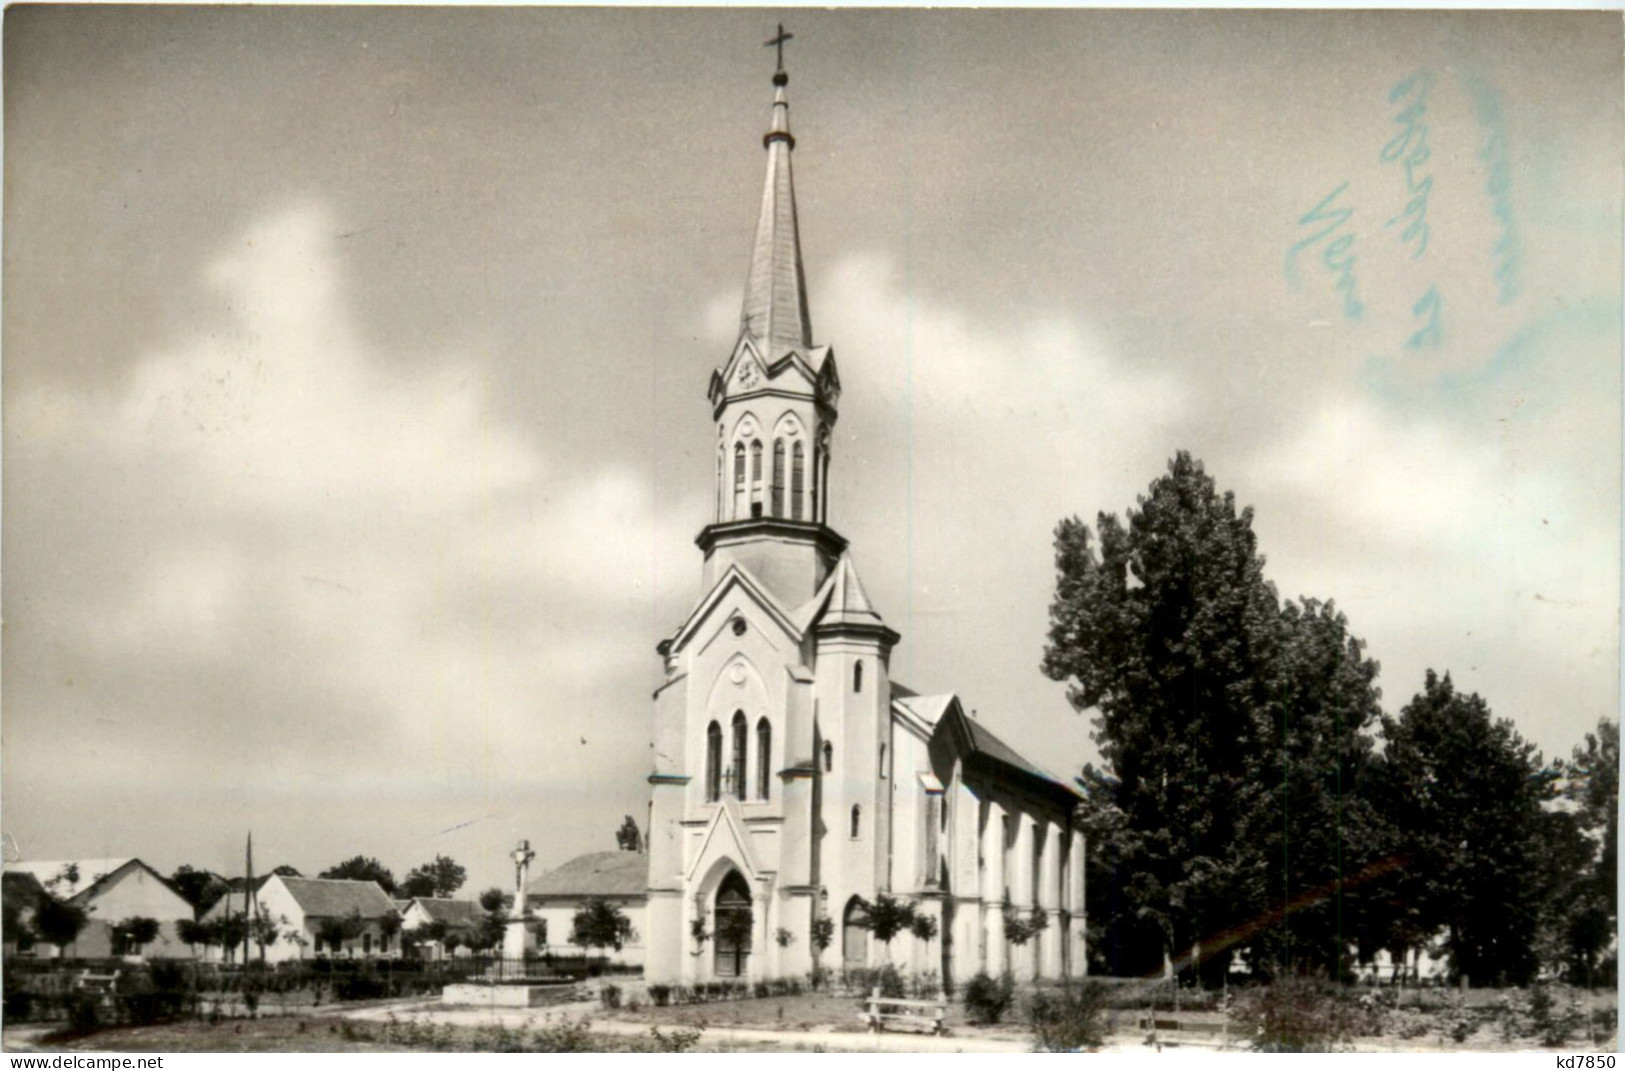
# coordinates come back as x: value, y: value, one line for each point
x: 775, y: 312
x: 773, y: 402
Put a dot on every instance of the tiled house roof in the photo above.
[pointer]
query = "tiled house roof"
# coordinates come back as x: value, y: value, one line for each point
x: 598, y: 874
x: 332, y: 898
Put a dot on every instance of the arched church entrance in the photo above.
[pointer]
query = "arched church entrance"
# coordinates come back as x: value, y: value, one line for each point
x: 855, y: 935
x: 733, y: 926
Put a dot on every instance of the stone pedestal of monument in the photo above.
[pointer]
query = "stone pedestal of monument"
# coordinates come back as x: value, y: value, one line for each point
x: 516, y: 943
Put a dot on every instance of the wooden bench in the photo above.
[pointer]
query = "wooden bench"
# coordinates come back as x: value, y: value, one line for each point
x: 883, y: 1010
x: 97, y: 983
x: 101, y: 986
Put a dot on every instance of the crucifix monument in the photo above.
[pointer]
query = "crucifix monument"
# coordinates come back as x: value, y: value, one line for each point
x: 516, y: 939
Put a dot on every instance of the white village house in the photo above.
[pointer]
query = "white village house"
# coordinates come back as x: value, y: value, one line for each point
x: 111, y: 890
x: 461, y: 918
x: 302, y: 907
x: 620, y: 877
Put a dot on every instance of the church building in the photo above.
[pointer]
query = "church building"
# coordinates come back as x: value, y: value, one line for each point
x: 794, y: 781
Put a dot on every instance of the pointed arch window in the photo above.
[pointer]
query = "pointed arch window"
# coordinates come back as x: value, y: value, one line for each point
x: 817, y: 482
x: 829, y: 756
x: 857, y: 676
x: 778, y: 478
x: 823, y: 481
x: 797, y: 481
x: 764, y: 759
x: 756, y: 478
x: 857, y: 820
x: 739, y: 481
x: 736, y: 776
x: 713, y: 763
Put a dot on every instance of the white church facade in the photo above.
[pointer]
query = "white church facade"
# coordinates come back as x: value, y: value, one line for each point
x: 794, y: 780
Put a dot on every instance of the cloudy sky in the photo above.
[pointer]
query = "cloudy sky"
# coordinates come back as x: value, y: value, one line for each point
x: 355, y: 433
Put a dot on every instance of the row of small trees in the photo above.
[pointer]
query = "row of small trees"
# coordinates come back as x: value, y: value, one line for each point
x: 441, y: 877
x: 1254, y: 797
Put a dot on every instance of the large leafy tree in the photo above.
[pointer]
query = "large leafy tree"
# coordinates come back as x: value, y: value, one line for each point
x: 441, y: 877
x: 1582, y: 911
x: 197, y: 887
x: 1464, y: 793
x: 1575, y: 924
x: 1320, y: 835
x: 1164, y: 625
x: 362, y: 868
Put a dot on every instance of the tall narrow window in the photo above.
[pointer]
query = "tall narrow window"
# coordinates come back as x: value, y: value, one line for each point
x: 933, y: 864
x: 764, y: 759
x: 739, y: 481
x: 829, y: 756
x: 823, y: 482
x: 857, y: 676
x: 882, y: 760
x: 756, y: 478
x: 857, y: 820
x: 736, y: 776
x: 722, y: 457
x: 778, y: 477
x: 816, y: 485
x: 1038, y: 866
x: 713, y: 763
x: 797, y: 481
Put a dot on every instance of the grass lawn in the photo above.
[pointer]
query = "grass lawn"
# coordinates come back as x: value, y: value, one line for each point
x: 238, y: 1035
x: 327, y: 1034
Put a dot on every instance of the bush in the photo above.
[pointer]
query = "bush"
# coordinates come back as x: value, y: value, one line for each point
x: 568, y: 1036
x: 1071, y: 1020
x: 1292, y: 1014
x: 17, y: 1003
x: 660, y: 994
x: 887, y: 979
x: 1551, y: 1018
x: 986, y: 1000
x: 84, y: 1013
x: 678, y: 1040
x: 926, y: 985
x: 141, y: 1003
x: 1459, y: 1021
x: 358, y: 986
x: 610, y: 996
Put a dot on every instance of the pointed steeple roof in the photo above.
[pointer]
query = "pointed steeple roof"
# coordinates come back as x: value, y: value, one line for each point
x: 842, y: 602
x: 775, y: 312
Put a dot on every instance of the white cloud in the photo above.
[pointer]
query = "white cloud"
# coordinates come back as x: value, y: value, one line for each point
x: 372, y: 569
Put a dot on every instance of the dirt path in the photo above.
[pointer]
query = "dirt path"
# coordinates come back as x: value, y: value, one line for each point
x: 829, y: 1039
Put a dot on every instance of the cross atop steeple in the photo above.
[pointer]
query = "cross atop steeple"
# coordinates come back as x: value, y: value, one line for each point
x: 778, y: 42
